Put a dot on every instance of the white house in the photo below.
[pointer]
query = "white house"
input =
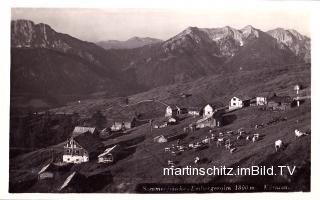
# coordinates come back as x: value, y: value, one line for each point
x: 235, y: 103
x: 261, y: 101
x: 208, y: 111
x: 172, y: 111
x: 81, y: 148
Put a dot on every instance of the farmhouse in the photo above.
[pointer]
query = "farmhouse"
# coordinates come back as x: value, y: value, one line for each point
x: 211, y: 122
x: 239, y: 102
x: 261, y: 101
x: 171, y: 111
x: 174, y: 110
x: 208, y: 111
x: 78, y: 130
x: 81, y: 148
x: 279, y: 102
x: 110, y: 155
x: 123, y: 123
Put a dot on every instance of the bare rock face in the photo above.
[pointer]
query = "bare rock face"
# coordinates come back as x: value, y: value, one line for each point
x: 296, y: 42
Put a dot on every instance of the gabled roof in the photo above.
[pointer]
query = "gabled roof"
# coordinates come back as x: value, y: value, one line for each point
x: 174, y: 106
x: 78, y: 130
x: 45, y: 168
x: 89, y: 142
x: 123, y: 119
x: 242, y: 97
x: 280, y: 99
x: 109, y: 150
x: 195, y: 108
x: 73, y: 180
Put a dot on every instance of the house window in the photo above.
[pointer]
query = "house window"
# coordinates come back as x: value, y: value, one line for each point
x: 77, y: 160
x: 234, y: 104
x: 234, y: 99
x: 68, y: 159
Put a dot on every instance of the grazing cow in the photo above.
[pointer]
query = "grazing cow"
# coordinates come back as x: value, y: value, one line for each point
x: 170, y: 162
x: 206, y: 141
x: 196, y: 160
x: 227, y: 144
x: 239, y: 137
x: 248, y: 138
x: 278, y: 145
x: 299, y: 133
x: 255, y: 137
x: 233, y: 149
x: 219, y: 141
x: 167, y: 149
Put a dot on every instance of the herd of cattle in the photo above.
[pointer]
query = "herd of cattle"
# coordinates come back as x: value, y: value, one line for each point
x: 227, y: 139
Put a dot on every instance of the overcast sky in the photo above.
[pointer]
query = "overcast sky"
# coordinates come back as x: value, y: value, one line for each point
x: 121, y: 24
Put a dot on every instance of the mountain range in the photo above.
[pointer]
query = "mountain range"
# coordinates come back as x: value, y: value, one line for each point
x: 131, y: 43
x: 45, y: 63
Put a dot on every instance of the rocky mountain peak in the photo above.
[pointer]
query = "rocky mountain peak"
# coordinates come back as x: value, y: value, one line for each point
x: 249, y: 31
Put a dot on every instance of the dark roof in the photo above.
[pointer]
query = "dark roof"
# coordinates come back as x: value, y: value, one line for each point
x: 89, y: 142
x: 195, y: 108
x: 243, y: 97
x: 123, y: 119
x: 280, y: 99
x: 78, y: 130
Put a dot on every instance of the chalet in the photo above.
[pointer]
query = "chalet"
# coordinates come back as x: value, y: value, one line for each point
x: 239, y: 102
x: 110, y: 155
x: 208, y: 111
x: 279, y: 102
x: 78, y: 130
x: 81, y: 148
x: 174, y: 110
x: 171, y: 111
x: 211, y: 122
x: 261, y: 101
x: 123, y: 123
x: 211, y: 118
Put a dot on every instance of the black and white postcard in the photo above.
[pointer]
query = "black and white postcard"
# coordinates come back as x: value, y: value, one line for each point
x: 146, y: 100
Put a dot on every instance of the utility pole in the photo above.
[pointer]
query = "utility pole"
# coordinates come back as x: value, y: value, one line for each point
x: 297, y: 88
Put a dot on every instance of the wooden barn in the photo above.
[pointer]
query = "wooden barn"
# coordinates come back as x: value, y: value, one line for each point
x: 123, y: 123
x: 110, y: 155
x: 78, y: 130
x: 175, y: 110
x: 50, y: 170
x: 239, y: 102
x: 214, y: 120
x: 279, y: 102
